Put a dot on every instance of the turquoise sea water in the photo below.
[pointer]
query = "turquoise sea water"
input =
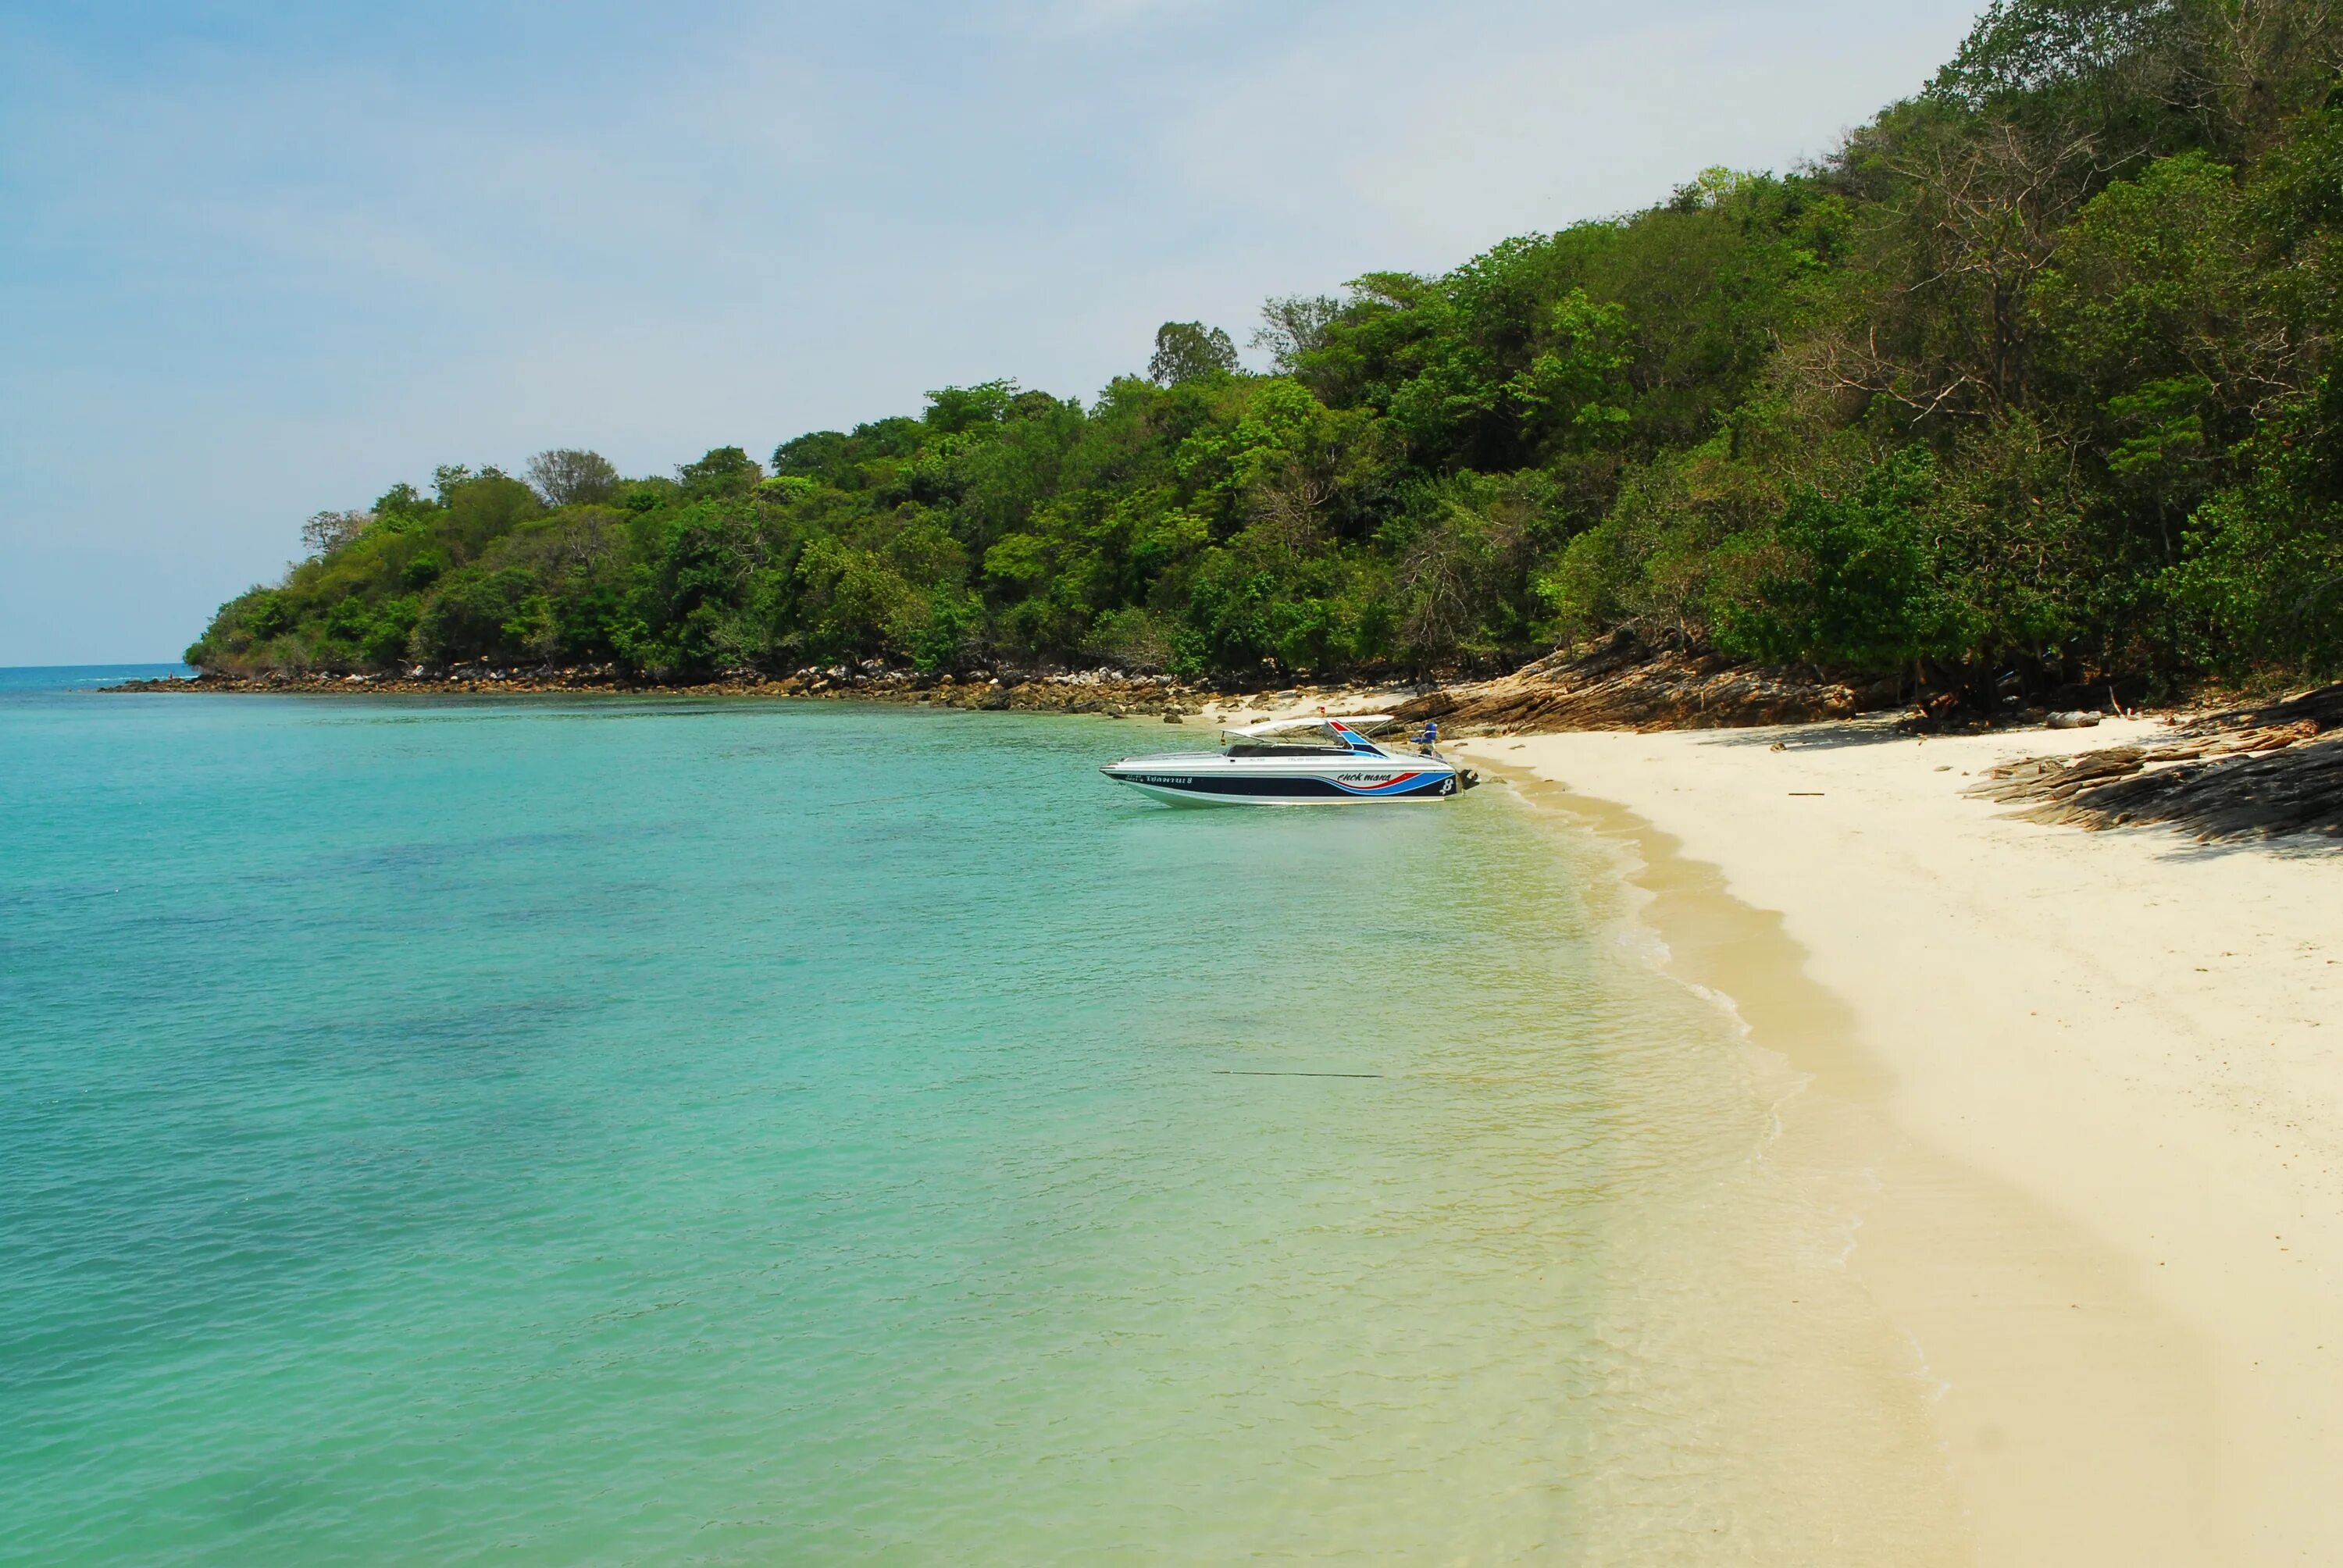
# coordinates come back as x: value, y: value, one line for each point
x: 663, y: 1131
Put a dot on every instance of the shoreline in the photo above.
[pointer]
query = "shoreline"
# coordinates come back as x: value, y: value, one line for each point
x: 1094, y: 692
x: 1086, y: 693
x: 2103, y: 1202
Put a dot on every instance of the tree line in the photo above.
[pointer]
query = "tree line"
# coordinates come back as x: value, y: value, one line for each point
x: 2029, y: 381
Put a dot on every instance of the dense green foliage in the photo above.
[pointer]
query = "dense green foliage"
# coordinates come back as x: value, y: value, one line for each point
x: 2031, y: 379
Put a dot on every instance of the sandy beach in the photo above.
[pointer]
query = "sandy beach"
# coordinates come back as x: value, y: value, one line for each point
x: 2093, y: 1080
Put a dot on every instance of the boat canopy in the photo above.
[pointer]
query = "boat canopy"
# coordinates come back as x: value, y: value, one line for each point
x: 1362, y: 723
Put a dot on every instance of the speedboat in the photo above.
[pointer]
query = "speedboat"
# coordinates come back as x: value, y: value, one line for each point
x: 1299, y: 762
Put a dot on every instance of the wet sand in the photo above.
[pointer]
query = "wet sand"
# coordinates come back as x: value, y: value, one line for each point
x: 2089, y: 1083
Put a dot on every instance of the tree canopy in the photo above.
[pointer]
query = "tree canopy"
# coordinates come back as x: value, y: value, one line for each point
x: 1187, y: 350
x: 2033, y: 375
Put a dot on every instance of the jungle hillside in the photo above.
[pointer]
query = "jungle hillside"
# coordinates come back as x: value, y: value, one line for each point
x: 2031, y: 379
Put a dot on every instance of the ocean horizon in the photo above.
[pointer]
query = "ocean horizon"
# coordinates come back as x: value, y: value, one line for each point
x: 83, y: 676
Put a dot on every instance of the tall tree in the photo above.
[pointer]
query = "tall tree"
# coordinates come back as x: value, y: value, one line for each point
x: 326, y: 532
x: 1189, y: 351
x: 570, y: 476
x: 1294, y: 324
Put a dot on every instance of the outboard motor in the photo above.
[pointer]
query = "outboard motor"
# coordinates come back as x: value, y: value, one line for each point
x: 1429, y: 744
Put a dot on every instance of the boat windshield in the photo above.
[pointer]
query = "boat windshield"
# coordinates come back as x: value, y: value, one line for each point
x: 1303, y: 738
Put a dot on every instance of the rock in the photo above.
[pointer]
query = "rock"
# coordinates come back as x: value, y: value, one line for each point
x: 1172, y: 717
x: 2253, y: 773
x: 1627, y: 687
x: 2075, y: 719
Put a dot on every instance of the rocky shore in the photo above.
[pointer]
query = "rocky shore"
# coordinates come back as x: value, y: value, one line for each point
x: 1107, y: 693
x: 1624, y: 685
x: 1627, y: 685
x: 2246, y: 772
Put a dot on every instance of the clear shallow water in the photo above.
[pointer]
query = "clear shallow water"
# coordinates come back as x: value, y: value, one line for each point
x: 697, y: 1132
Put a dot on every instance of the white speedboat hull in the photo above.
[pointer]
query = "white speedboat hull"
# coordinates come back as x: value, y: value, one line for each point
x: 1211, y: 779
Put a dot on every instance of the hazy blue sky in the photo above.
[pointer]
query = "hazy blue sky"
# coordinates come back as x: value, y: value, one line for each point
x: 258, y: 259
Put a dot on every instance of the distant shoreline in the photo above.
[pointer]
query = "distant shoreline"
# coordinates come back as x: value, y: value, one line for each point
x: 1112, y: 697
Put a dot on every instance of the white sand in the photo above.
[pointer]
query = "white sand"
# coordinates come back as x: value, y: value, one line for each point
x: 2110, y: 1210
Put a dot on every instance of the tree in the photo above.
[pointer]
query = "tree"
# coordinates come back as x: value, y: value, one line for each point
x: 2035, y: 378
x: 1578, y: 386
x: 1188, y: 351
x: 1291, y: 326
x: 724, y: 471
x: 1857, y: 588
x: 326, y: 532
x: 1941, y: 323
x: 952, y: 409
x: 569, y: 477
x: 2043, y: 48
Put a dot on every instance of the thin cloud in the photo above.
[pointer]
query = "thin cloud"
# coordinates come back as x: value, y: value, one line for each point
x: 253, y: 273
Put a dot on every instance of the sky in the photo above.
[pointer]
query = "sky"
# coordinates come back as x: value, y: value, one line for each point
x: 260, y: 260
